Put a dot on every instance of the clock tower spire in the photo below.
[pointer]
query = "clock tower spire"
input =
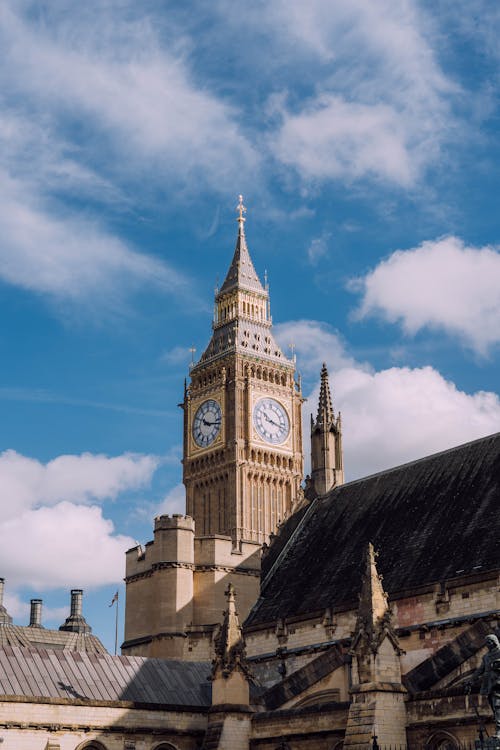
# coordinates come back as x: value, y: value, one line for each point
x: 242, y: 414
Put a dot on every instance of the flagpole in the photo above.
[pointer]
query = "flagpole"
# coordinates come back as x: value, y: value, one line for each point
x: 116, y: 623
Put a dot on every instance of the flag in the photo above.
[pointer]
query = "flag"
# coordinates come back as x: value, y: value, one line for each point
x: 114, y: 599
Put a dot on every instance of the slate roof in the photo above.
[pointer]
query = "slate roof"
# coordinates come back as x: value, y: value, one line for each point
x: 431, y: 520
x: 41, y: 673
x: 21, y: 635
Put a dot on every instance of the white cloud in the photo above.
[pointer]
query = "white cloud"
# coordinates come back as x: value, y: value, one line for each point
x: 27, y: 483
x: 382, y: 104
x: 315, y: 342
x: 441, y: 284
x: 173, y: 502
x: 332, y: 137
x: 318, y: 249
x: 401, y: 414
x: 394, y: 415
x: 53, y: 534
x: 69, y: 545
x: 136, y: 99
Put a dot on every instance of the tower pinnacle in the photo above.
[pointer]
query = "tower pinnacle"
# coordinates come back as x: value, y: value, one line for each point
x: 326, y: 442
x: 325, y: 408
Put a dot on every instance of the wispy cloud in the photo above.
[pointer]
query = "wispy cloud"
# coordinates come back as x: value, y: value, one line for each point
x: 318, y: 249
x: 379, y: 105
x: 136, y: 98
x: 39, y: 395
x: 70, y: 259
x: 178, y: 355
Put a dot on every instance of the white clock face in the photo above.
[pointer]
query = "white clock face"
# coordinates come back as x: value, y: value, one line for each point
x: 207, y: 423
x: 271, y: 421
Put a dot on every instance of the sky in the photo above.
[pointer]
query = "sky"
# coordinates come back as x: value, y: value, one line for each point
x: 364, y: 139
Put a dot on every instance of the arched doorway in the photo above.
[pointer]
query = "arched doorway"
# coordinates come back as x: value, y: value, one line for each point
x: 91, y: 745
x: 442, y: 741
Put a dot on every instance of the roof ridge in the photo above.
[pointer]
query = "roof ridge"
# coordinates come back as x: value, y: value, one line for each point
x: 411, y: 463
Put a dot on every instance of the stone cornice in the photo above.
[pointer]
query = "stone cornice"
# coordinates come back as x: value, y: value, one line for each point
x: 255, y: 572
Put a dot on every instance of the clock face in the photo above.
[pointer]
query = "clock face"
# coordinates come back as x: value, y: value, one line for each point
x: 271, y: 421
x: 207, y: 423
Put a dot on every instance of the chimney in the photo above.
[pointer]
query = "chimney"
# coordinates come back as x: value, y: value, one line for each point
x: 76, y: 622
x: 76, y: 602
x: 36, y: 613
x: 5, y: 618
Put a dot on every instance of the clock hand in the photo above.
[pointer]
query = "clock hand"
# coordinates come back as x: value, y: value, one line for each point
x: 271, y: 421
x: 209, y: 424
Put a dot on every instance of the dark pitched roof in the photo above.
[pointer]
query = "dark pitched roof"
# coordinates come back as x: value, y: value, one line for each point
x: 431, y: 520
x: 40, y: 673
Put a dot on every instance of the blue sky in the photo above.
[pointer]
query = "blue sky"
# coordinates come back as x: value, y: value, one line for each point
x: 364, y: 138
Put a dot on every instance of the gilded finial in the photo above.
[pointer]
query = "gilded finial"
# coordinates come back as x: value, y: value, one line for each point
x: 241, y: 210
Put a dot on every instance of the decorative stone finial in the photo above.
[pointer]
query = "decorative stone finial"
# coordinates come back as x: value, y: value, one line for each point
x: 241, y: 210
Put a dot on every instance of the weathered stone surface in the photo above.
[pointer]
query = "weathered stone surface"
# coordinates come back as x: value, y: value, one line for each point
x: 303, y: 678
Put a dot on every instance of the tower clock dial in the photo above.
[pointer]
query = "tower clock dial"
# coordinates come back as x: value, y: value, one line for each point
x: 271, y: 421
x: 207, y: 423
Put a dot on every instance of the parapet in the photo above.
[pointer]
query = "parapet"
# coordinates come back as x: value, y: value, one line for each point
x: 176, y: 521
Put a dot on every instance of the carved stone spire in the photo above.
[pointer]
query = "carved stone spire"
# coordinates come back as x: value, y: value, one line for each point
x: 229, y: 643
x: 325, y: 408
x: 374, y: 621
x: 327, y: 465
x: 373, y: 606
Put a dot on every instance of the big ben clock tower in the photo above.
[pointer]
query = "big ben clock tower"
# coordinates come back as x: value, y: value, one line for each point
x: 242, y: 468
x: 242, y: 415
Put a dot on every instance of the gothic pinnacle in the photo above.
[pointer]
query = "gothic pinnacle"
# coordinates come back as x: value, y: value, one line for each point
x: 325, y: 408
x: 373, y: 599
x: 229, y: 644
